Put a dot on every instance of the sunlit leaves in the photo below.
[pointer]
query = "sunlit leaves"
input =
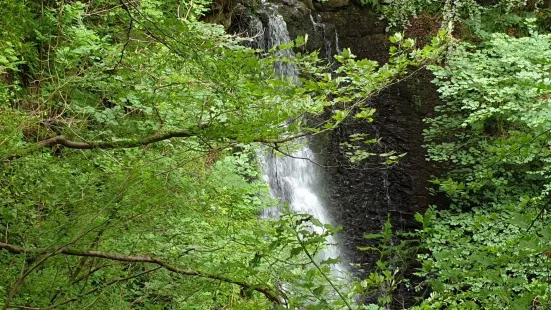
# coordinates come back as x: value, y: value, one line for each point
x: 492, y: 134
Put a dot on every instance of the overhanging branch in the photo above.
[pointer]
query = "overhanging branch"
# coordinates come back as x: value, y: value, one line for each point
x: 89, y: 145
x: 270, y: 294
x: 62, y: 140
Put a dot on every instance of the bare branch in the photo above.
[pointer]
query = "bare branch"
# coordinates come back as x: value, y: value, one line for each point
x: 269, y: 293
x: 89, y: 145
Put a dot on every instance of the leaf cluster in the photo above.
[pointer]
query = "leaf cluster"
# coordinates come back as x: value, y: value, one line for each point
x: 492, y: 134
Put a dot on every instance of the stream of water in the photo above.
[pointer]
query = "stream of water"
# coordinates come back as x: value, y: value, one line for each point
x: 296, y: 179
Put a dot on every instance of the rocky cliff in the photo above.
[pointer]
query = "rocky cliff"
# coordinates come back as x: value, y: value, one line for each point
x: 363, y: 195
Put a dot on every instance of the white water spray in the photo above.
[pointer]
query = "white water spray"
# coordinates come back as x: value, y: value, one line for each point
x: 296, y: 179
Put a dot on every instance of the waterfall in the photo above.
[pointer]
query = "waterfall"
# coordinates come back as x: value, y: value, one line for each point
x: 296, y: 179
x: 337, y: 47
x: 268, y: 29
x: 327, y: 42
x: 325, y: 33
x: 277, y: 34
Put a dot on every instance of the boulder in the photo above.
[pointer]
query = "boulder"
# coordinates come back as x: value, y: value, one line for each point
x: 331, y: 5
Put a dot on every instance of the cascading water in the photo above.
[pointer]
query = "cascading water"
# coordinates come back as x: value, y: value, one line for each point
x: 268, y: 31
x: 327, y: 43
x: 296, y: 178
x: 277, y: 34
x: 337, y: 47
x: 321, y: 27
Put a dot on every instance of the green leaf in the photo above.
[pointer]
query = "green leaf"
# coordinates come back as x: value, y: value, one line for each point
x: 295, y: 251
x: 318, y: 291
x: 372, y: 236
x: 331, y: 261
x: 419, y: 217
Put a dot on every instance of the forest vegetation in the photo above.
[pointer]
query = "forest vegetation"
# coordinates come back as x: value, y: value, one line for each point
x: 129, y: 132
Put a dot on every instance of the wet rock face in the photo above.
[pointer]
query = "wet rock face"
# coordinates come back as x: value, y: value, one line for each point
x: 351, y: 27
x: 299, y: 17
x: 331, y: 5
x: 362, y: 196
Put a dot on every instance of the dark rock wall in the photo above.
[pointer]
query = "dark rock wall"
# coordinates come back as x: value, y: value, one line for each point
x: 361, y: 196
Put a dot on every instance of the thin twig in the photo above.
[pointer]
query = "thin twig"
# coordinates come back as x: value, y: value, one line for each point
x: 303, y: 246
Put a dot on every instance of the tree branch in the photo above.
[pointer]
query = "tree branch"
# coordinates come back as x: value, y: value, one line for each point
x: 89, y: 145
x: 269, y: 293
x: 62, y: 140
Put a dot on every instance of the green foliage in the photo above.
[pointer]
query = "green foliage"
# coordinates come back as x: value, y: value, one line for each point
x: 397, y: 251
x: 399, y: 12
x: 481, y: 17
x: 492, y: 133
x: 114, y: 75
x: 347, y: 91
x: 356, y: 148
x: 376, y: 4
